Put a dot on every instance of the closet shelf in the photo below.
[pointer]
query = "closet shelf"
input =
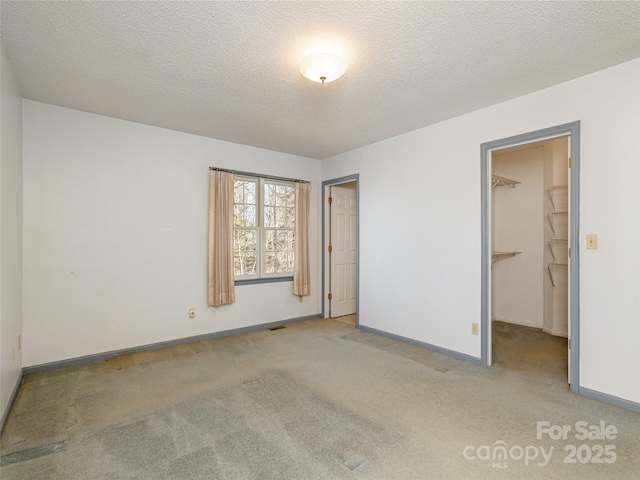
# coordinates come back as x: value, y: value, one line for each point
x: 499, y: 255
x: 555, y: 188
x: 556, y: 267
x: 556, y: 227
x: 557, y: 245
x: 497, y: 181
x: 556, y: 207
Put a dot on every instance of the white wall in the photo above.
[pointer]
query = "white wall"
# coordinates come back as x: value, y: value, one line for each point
x: 115, y: 235
x: 518, y: 295
x: 420, y: 222
x: 10, y: 231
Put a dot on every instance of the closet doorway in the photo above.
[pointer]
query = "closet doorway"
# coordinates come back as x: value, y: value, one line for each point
x: 340, y: 246
x: 530, y: 225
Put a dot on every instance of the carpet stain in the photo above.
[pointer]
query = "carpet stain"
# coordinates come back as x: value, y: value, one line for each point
x: 32, y: 453
x: 354, y: 461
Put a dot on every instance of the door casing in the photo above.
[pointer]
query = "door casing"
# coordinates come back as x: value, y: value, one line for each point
x: 572, y: 129
x: 325, y: 228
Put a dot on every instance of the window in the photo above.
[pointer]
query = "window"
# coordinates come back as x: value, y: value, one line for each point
x: 264, y: 228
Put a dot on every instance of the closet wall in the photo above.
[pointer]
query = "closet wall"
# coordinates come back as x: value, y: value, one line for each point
x: 518, y: 294
x: 531, y: 218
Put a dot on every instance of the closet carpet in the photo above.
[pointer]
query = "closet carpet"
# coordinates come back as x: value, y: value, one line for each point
x: 315, y: 400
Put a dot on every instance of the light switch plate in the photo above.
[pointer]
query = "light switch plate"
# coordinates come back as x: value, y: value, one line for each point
x: 592, y: 241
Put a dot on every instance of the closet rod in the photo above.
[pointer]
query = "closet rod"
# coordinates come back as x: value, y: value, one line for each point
x: 259, y: 175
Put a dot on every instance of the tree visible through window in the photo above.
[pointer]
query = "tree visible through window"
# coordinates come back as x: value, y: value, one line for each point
x: 264, y: 219
x: 245, y: 232
x: 279, y: 221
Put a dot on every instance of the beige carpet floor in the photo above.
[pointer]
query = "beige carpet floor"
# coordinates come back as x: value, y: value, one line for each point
x: 315, y: 400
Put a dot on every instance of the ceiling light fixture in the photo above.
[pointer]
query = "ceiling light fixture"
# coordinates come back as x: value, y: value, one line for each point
x: 323, y: 67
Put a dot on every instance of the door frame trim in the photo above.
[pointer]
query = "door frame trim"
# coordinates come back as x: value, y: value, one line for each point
x: 572, y: 129
x: 325, y: 257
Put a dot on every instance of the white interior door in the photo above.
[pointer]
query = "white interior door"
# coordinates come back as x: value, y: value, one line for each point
x: 343, y: 251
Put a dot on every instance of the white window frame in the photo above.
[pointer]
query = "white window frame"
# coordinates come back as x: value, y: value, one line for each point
x: 261, y: 230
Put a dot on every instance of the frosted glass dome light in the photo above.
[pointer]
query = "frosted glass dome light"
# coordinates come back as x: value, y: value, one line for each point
x: 323, y: 67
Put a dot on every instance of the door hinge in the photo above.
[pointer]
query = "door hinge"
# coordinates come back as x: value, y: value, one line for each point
x: 569, y: 344
x: 330, y: 249
x: 569, y: 162
x: 330, y: 200
x: 569, y: 252
x: 329, y: 296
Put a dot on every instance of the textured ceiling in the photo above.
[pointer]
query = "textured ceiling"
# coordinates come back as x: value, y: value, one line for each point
x: 229, y: 70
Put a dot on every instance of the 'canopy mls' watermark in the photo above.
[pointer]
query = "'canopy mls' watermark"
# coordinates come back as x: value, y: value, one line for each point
x: 499, y: 453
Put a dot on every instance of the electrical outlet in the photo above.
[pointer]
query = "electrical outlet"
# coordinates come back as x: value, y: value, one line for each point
x: 192, y: 313
x: 474, y: 328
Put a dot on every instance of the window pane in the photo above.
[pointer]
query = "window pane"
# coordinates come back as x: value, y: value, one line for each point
x: 269, y: 216
x: 282, y: 263
x: 281, y: 240
x: 291, y: 196
x: 245, y: 251
x: 244, y: 216
x: 244, y: 191
x: 281, y: 195
x: 244, y: 210
x: 246, y: 239
x: 270, y: 240
x: 290, y: 217
x: 238, y: 189
x: 250, y: 193
x: 246, y: 264
x: 250, y: 216
x: 281, y: 217
x: 239, y: 216
x: 269, y: 194
x: 270, y: 262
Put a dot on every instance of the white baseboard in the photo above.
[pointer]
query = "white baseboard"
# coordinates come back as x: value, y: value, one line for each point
x: 556, y: 334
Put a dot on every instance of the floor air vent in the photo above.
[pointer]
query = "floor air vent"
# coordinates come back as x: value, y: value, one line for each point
x: 251, y: 383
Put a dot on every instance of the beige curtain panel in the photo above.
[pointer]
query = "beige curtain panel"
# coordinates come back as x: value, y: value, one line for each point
x: 301, y: 274
x: 220, y: 266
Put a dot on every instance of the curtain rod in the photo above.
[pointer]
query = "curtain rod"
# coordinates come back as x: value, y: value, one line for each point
x: 259, y: 175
